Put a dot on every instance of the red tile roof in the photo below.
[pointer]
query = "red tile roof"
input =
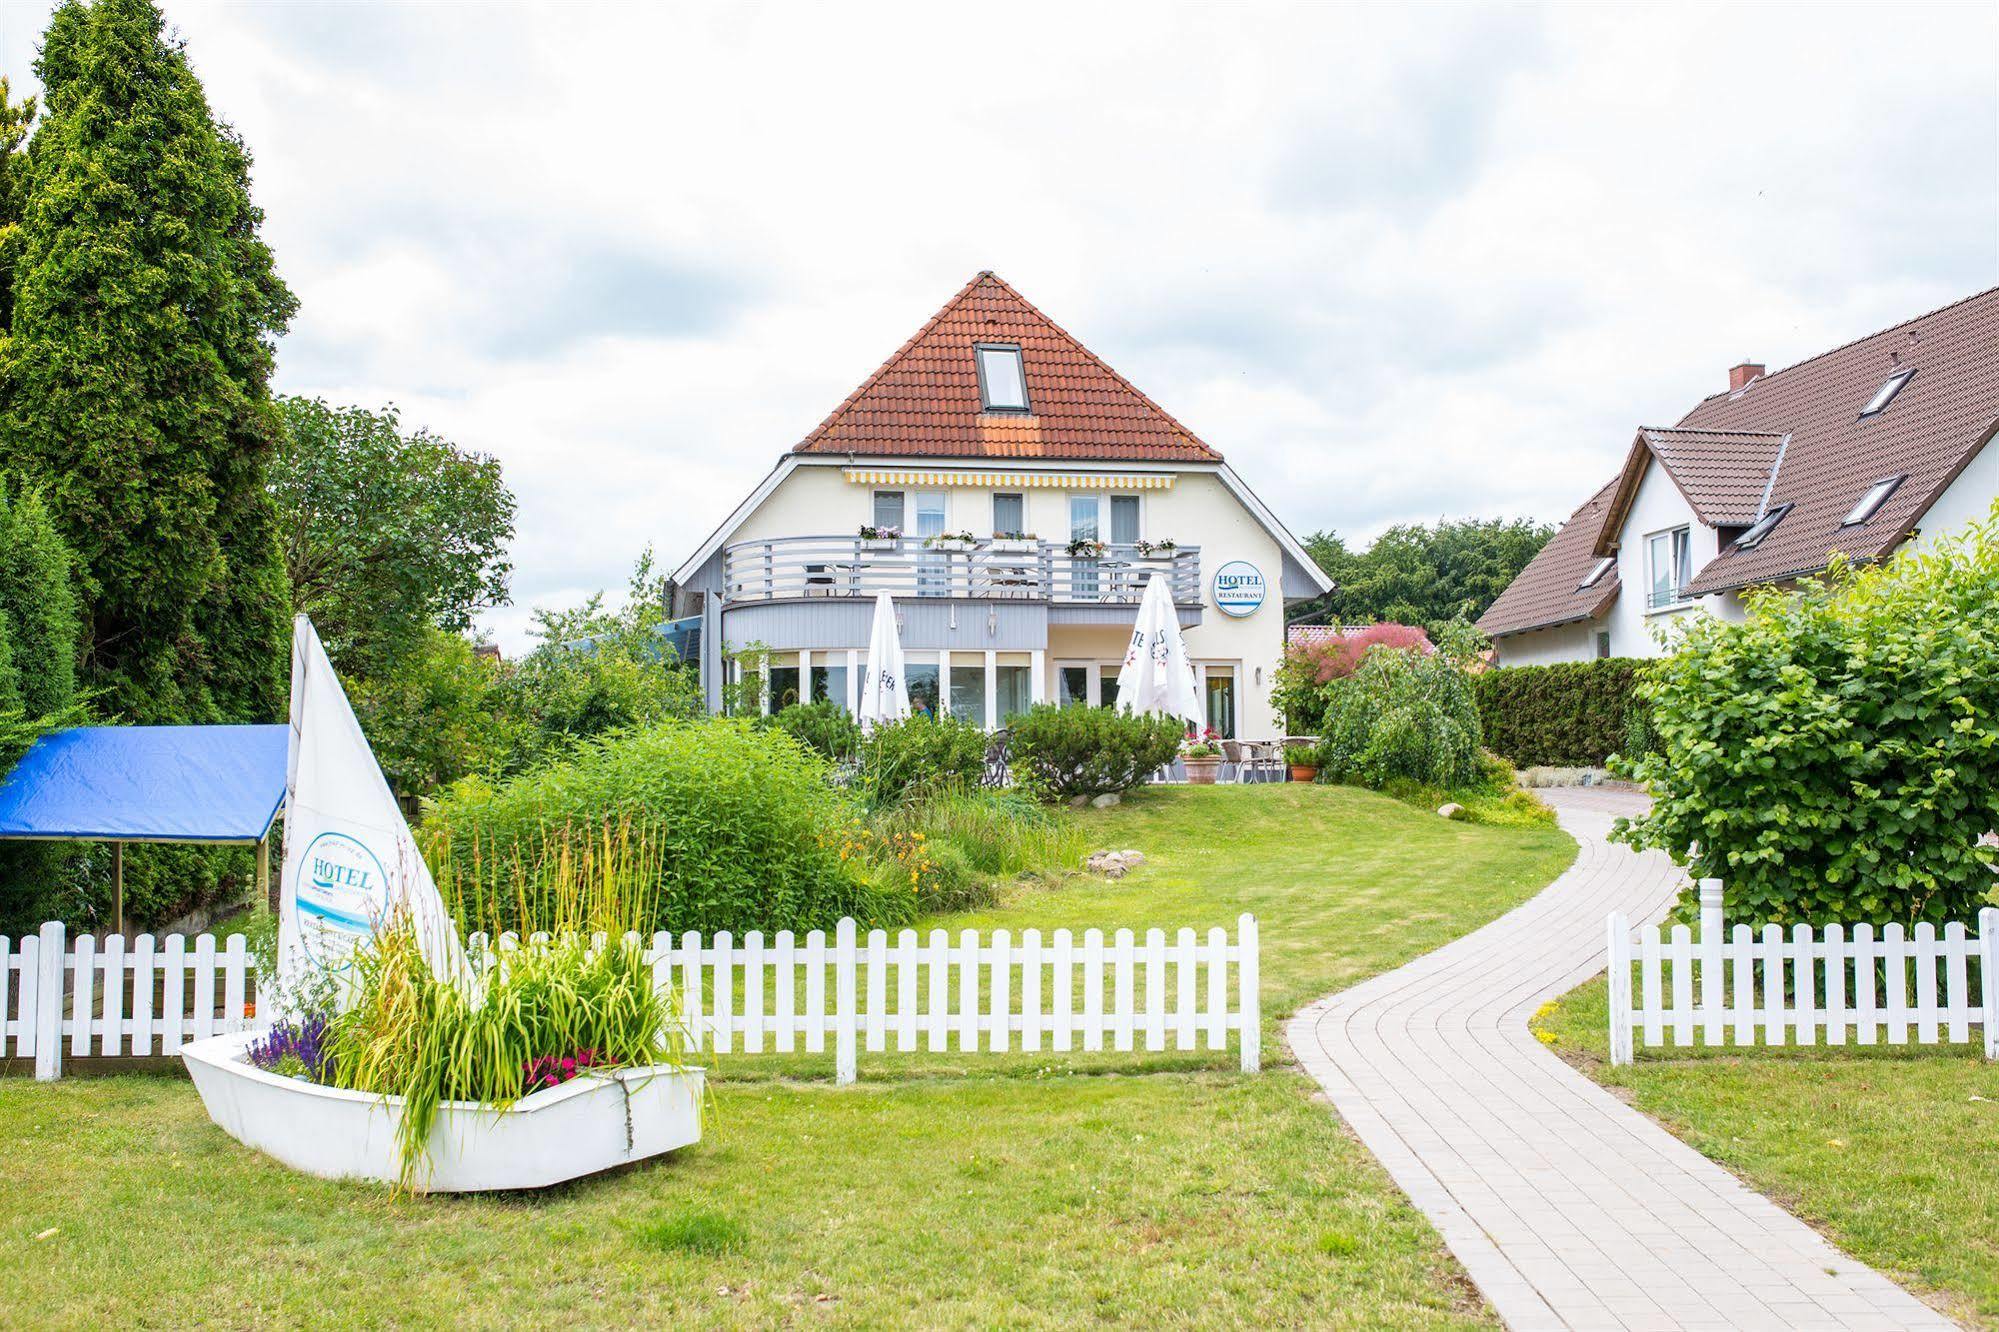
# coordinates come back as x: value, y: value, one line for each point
x: 1930, y: 432
x: 1722, y: 473
x: 924, y: 401
x: 1548, y: 592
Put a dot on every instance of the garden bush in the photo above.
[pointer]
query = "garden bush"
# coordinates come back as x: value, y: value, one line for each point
x: 1835, y: 757
x: 1403, y: 715
x: 977, y: 836
x: 1064, y: 752
x: 826, y: 728
x: 740, y: 824
x: 1573, y: 714
x: 920, y: 753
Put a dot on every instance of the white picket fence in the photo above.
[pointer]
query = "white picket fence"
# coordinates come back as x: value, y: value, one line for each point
x: 1721, y: 987
x: 94, y: 998
x: 755, y: 996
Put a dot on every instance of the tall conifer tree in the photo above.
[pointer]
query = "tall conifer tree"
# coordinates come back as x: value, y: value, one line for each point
x: 134, y: 379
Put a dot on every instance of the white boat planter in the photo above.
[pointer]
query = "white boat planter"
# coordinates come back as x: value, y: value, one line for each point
x: 585, y: 1125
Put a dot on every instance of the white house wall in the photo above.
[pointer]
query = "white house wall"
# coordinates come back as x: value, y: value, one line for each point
x: 1546, y: 647
x: 817, y: 500
x: 1967, y: 500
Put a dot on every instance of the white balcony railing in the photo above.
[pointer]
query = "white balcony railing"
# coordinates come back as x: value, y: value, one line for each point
x: 830, y: 566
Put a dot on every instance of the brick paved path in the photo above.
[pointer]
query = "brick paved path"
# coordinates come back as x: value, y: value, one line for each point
x: 1567, y: 1207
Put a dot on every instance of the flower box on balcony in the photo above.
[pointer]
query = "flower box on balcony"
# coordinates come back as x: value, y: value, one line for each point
x: 949, y: 544
x: 880, y: 543
x: 1014, y: 545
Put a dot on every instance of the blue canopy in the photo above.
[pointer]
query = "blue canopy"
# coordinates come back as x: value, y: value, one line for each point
x: 148, y: 784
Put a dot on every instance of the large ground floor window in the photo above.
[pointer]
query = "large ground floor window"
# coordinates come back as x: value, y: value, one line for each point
x: 984, y: 688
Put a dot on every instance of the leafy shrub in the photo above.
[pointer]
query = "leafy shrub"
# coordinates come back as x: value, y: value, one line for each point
x: 1835, y: 757
x: 1084, y: 751
x: 977, y: 836
x: 1574, y: 714
x: 920, y: 753
x: 826, y: 728
x: 735, y: 828
x: 1403, y: 715
x: 1296, y: 691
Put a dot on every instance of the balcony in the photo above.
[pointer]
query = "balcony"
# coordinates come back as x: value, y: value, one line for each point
x: 850, y: 568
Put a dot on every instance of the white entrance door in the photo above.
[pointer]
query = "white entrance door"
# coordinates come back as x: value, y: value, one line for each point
x: 933, y: 570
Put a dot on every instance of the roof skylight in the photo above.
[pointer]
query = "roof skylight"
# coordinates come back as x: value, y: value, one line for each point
x: 1761, y: 528
x: 1597, y: 571
x: 1886, y: 393
x: 1870, y: 503
x: 1002, y: 381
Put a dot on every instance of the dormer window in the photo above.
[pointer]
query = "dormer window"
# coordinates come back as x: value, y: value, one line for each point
x: 1761, y: 528
x: 1870, y: 503
x: 1002, y: 382
x: 1597, y: 571
x: 1886, y: 393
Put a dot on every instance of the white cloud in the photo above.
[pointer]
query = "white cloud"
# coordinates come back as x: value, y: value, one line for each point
x: 1394, y: 263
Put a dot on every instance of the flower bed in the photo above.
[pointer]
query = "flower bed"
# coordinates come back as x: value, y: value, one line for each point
x: 590, y: 1122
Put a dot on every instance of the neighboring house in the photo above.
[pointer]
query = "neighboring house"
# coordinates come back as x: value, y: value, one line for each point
x: 1863, y: 450
x: 1013, y: 493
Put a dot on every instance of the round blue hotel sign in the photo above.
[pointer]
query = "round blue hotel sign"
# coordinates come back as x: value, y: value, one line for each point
x: 1238, y: 588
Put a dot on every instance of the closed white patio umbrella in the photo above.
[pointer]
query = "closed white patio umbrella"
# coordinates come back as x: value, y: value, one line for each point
x: 884, y: 691
x: 1156, y: 676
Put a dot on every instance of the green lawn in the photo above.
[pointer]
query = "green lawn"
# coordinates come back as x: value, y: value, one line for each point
x: 1027, y: 1192
x: 1892, y: 1153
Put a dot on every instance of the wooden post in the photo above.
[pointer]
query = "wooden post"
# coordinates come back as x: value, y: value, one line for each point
x: 1619, y: 950
x: 266, y: 890
x: 1248, y: 968
x: 118, y: 886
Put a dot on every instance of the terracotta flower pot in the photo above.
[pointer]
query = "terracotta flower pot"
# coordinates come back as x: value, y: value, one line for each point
x: 1201, y: 771
x: 1304, y: 772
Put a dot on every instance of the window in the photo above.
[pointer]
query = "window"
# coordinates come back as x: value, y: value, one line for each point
x: 968, y: 694
x: 1886, y: 393
x: 1597, y: 571
x: 1221, y: 700
x: 1124, y: 520
x: 1671, y: 567
x: 783, y: 687
x: 1013, y: 691
x: 888, y: 509
x: 1009, y: 515
x: 921, y: 678
x: 1072, y: 685
x: 1002, y: 382
x: 1107, y: 675
x: 829, y: 685
x: 1763, y: 526
x: 1602, y: 645
x: 1870, y: 503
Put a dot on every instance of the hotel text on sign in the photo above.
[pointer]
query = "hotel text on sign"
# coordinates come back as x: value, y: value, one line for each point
x: 1238, y: 588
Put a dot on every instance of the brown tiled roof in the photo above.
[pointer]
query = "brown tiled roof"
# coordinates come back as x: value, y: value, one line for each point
x: 1930, y: 431
x: 924, y: 401
x: 1547, y: 593
x: 1721, y: 472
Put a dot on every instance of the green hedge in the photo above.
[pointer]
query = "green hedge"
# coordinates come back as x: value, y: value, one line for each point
x: 1574, y: 714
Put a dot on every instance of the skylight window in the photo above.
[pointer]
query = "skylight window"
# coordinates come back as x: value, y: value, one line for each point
x: 1870, y: 503
x: 1597, y: 571
x: 1762, y: 527
x: 1002, y: 382
x: 1886, y: 393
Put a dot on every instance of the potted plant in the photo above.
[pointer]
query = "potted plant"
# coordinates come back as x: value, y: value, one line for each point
x: 1087, y: 548
x: 1163, y: 546
x: 951, y: 541
x: 1303, y: 756
x: 1201, y: 757
x: 1015, y: 543
x: 880, y: 538
x: 418, y: 1084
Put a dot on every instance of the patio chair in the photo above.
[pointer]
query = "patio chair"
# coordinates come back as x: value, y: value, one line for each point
x: 1262, y: 760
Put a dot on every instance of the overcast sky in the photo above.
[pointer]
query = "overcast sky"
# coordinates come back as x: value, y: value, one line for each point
x: 1395, y: 264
